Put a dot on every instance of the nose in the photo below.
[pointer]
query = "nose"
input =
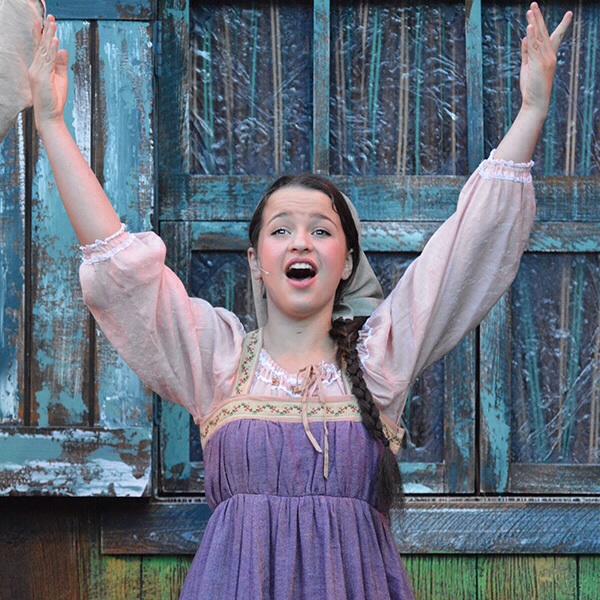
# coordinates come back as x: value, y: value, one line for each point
x: 301, y: 241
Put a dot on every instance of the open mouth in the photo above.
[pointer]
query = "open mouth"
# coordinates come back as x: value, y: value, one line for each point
x: 301, y: 271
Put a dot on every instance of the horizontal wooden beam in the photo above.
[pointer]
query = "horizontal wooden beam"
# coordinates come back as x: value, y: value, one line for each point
x: 75, y: 462
x: 470, y: 526
x: 129, y: 10
x: 209, y: 197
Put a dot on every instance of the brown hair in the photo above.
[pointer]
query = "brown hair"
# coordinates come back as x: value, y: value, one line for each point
x: 345, y: 333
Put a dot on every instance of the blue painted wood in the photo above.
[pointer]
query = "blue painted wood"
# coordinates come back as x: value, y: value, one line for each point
x: 59, y: 320
x: 102, y: 9
x: 124, y: 153
x: 321, y: 85
x: 12, y: 275
x: 474, y: 73
x: 485, y: 526
x: 75, y: 462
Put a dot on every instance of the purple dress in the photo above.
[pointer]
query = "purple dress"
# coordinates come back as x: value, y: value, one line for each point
x: 289, y: 467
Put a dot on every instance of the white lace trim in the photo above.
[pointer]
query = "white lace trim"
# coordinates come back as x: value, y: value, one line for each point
x: 102, y: 250
x: 364, y: 335
x: 497, y: 168
x: 269, y: 372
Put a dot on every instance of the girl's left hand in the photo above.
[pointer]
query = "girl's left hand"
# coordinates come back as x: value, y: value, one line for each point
x: 538, y: 60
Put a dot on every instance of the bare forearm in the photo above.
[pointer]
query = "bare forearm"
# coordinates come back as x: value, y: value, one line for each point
x: 90, y: 211
x: 519, y: 142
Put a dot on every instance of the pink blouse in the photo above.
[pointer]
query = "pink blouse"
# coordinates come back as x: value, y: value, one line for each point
x: 188, y: 352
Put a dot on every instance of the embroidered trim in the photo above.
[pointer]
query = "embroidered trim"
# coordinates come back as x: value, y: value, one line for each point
x: 248, y: 362
x: 247, y: 407
x: 269, y: 372
x: 510, y: 163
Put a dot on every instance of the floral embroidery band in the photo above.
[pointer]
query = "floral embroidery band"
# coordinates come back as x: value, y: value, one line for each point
x: 248, y: 407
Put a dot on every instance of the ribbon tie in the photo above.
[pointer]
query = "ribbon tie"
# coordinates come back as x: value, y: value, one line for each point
x: 313, y: 375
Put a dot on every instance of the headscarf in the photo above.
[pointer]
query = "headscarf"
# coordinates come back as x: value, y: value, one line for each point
x: 17, y: 18
x: 359, y: 298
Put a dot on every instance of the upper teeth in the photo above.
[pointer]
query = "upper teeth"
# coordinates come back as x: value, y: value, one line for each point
x: 301, y: 266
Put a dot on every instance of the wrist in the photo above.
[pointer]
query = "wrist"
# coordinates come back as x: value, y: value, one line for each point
x: 49, y: 127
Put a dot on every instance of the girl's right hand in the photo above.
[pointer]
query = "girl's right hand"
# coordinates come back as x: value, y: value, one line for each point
x: 48, y: 75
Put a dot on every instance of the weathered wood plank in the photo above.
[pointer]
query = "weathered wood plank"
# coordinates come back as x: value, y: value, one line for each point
x: 75, y: 462
x: 206, y: 198
x: 442, y: 577
x: 173, y: 88
x: 490, y: 526
x: 121, y: 578
x: 589, y: 577
x: 130, y: 10
x: 527, y: 478
x: 534, y: 578
x: 12, y: 278
x: 523, y: 526
x: 59, y: 322
x: 124, y: 162
x: 474, y: 73
x: 163, y: 576
x: 154, y: 528
x: 321, y: 85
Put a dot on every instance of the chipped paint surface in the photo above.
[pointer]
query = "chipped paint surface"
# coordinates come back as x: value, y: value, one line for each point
x: 75, y: 462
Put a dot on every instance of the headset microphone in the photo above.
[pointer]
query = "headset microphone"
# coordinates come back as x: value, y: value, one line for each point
x: 265, y: 272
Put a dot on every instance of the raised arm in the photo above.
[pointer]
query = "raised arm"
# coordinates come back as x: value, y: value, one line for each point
x: 538, y: 63
x: 90, y: 211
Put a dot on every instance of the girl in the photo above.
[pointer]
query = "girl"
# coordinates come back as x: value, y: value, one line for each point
x: 299, y: 419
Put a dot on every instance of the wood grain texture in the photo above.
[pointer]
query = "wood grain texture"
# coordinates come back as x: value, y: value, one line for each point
x: 102, y: 9
x: 440, y: 578
x: 589, y: 577
x: 59, y: 320
x: 124, y: 161
x: 527, y: 578
x: 13, y: 269
x: 163, y: 576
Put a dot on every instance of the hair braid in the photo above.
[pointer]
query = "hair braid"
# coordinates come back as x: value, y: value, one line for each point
x: 389, y: 481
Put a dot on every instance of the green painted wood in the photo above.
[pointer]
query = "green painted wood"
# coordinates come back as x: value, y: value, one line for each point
x: 527, y: 577
x: 442, y: 577
x: 130, y: 10
x: 12, y: 281
x: 122, y: 578
x: 589, y: 577
x: 321, y: 85
x: 59, y: 321
x: 124, y: 158
x: 75, y: 462
x: 163, y: 577
x: 474, y: 73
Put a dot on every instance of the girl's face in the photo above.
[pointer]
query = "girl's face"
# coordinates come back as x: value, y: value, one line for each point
x: 301, y: 254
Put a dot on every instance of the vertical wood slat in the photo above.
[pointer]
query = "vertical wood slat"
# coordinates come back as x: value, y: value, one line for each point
x: 124, y: 162
x: 172, y: 103
x: 473, y: 34
x: 60, y: 344
x: 12, y: 275
x: 494, y: 390
x: 321, y: 89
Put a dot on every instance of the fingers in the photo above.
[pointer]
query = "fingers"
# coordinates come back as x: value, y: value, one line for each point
x: 559, y: 32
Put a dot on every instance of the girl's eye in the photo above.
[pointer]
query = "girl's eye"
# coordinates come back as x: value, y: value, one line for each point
x: 321, y: 232
x: 279, y: 231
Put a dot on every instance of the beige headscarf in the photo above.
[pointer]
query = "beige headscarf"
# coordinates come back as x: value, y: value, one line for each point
x: 361, y: 296
x: 17, y: 18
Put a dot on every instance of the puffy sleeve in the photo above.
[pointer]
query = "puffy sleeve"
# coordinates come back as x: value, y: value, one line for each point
x: 181, y: 347
x: 462, y: 272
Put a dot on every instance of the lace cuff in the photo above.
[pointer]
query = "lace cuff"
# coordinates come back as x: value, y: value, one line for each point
x: 102, y: 250
x: 494, y: 168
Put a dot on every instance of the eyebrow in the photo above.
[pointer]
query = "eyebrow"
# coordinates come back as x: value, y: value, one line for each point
x: 314, y: 216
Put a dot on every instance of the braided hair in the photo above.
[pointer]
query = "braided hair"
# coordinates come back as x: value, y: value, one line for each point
x: 389, y: 480
x: 345, y: 333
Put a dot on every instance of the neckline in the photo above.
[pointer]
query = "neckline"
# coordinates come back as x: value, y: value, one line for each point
x: 326, y: 367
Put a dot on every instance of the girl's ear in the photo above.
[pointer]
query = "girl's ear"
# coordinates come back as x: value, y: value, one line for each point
x: 254, y: 263
x: 347, y: 266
